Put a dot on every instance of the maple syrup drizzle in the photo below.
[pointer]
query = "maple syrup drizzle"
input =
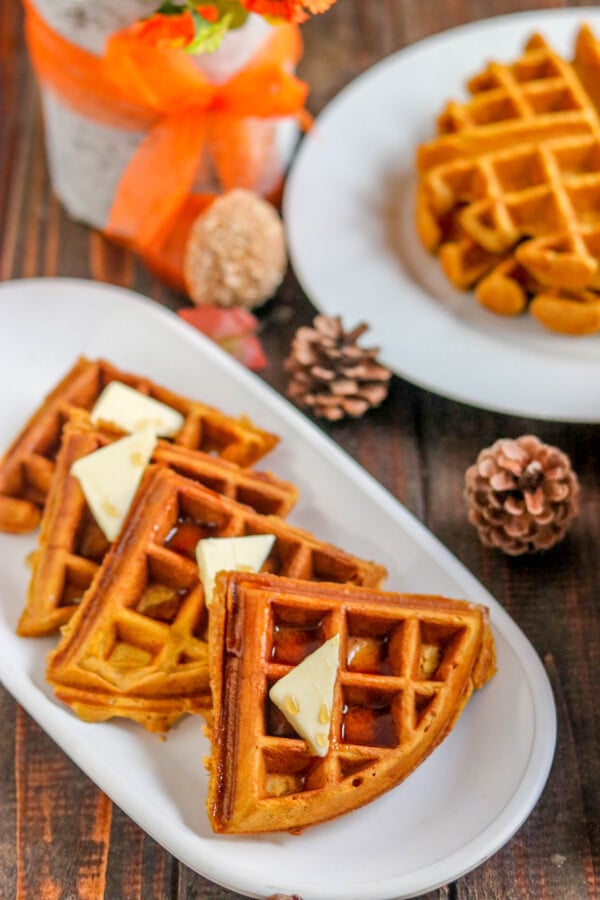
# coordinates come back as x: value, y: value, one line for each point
x: 291, y: 644
x: 186, y: 533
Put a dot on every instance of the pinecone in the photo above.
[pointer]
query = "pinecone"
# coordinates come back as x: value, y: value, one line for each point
x: 522, y: 495
x: 331, y: 375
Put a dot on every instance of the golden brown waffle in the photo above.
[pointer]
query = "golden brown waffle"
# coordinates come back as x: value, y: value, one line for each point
x: 140, y: 632
x: 512, y: 184
x: 408, y: 665
x: 27, y: 467
x: 71, y: 546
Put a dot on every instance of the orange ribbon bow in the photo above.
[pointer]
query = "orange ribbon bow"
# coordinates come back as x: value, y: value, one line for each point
x: 144, y: 86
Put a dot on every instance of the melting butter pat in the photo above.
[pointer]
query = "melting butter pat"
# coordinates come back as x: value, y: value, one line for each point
x: 242, y: 554
x: 130, y: 410
x: 110, y: 477
x: 305, y: 695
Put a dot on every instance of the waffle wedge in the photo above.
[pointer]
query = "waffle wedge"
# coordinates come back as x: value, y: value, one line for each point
x: 408, y: 665
x: 27, y: 467
x: 509, y: 189
x: 71, y: 546
x: 136, y: 645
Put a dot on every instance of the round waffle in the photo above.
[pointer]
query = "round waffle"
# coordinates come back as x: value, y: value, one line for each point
x: 509, y: 190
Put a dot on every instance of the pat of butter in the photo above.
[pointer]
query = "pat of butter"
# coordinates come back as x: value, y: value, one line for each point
x: 305, y: 695
x: 245, y: 554
x: 110, y: 477
x: 128, y: 409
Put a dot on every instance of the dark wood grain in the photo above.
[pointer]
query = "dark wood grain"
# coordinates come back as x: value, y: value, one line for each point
x: 60, y: 837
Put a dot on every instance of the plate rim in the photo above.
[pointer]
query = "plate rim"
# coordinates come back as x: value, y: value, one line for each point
x: 517, y: 406
x: 533, y: 778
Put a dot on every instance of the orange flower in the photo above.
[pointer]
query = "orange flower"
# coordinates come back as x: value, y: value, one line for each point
x: 170, y: 31
x: 290, y: 10
x: 165, y: 31
x: 209, y: 12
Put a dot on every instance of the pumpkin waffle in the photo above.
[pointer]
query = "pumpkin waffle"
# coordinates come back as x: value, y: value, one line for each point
x: 136, y: 645
x: 71, y: 546
x: 408, y: 665
x: 27, y: 467
x: 512, y: 181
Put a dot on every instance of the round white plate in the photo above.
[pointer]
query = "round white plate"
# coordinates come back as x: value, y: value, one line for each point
x: 465, y: 801
x: 349, y: 213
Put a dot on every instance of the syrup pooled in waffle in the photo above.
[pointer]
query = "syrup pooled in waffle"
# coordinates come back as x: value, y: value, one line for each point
x: 407, y: 666
x: 27, y: 467
x: 71, y: 545
x: 136, y: 645
x: 509, y: 190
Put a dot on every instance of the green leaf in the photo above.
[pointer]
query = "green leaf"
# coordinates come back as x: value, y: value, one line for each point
x: 208, y: 35
x: 232, y: 8
x: 170, y: 8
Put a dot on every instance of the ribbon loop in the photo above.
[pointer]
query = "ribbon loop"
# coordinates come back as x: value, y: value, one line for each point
x: 158, y: 90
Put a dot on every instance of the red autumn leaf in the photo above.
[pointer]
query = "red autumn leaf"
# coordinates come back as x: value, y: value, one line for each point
x: 232, y: 328
x: 249, y: 351
x: 218, y: 322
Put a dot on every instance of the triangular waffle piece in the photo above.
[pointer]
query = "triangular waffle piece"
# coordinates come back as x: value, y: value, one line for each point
x: 408, y: 665
x: 71, y: 546
x: 514, y: 174
x: 140, y: 631
x: 27, y: 467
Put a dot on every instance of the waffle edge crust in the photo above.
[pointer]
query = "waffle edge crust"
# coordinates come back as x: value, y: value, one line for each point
x: 408, y: 665
x: 27, y: 467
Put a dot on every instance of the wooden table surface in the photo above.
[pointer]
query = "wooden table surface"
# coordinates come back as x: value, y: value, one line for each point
x: 60, y: 837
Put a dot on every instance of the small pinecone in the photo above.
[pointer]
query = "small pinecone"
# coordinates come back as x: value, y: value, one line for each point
x: 331, y: 375
x: 522, y: 495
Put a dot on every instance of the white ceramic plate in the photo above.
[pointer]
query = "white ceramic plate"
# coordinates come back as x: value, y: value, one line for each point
x: 349, y: 214
x: 465, y: 801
